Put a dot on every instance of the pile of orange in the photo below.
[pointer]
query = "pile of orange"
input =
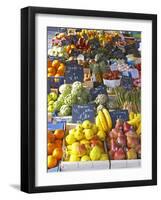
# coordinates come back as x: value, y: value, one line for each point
x: 55, y: 68
x: 55, y: 152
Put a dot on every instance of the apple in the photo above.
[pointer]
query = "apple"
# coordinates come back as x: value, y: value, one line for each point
x: 131, y: 154
x: 121, y: 140
x: 119, y: 154
x: 126, y: 127
x: 87, y: 124
x: 119, y: 124
x: 88, y: 134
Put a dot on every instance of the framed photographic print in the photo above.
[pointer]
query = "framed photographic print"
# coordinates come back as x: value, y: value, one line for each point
x: 88, y: 99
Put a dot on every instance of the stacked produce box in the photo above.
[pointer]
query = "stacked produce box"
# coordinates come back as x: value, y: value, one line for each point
x: 94, y: 99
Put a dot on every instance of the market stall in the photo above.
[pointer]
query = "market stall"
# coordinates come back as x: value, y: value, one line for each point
x: 94, y: 94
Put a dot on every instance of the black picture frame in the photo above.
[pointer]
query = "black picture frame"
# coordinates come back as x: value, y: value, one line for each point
x: 28, y: 98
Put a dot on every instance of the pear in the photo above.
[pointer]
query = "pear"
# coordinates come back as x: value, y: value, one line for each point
x: 95, y: 153
x: 85, y: 158
x: 74, y: 158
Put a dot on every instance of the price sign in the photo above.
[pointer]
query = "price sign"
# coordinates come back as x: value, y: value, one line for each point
x: 74, y: 72
x: 55, y: 82
x: 126, y: 82
x: 83, y: 112
x: 101, y: 89
x: 119, y: 114
x: 56, y: 125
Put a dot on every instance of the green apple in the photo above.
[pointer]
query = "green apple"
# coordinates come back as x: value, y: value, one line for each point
x: 70, y: 139
x: 72, y: 131
x: 78, y: 134
x: 101, y: 135
x: 79, y: 127
x: 85, y: 158
x: 104, y: 156
x: 88, y: 134
x: 94, y: 128
x: 95, y: 153
x: 87, y: 124
x: 74, y: 158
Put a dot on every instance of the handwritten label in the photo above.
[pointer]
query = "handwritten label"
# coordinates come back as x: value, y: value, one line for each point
x: 119, y: 114
x: 74, y: 72
x: 126, y: 82
x: 83, y: 112
x: 56, y: 125
x: 101, y: 89
x: 55, y: 82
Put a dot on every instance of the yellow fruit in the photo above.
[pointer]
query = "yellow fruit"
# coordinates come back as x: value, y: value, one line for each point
x: 74, y: 158
x: 95, y: 153
x: 94, y: 128
x: 134, y: 121
x: 101, y: 135
x: 131, y: 115
x: 52, y: 162
x: 104, y: 156
x: 89, y: 134
x: 70, y: 139
x: 98, y: 123
x: 85, y: 158
x: 87, y: 124
x: 138, y: 131
x: 103, y: 121
x: 108, y: 118
x: 78, y: 135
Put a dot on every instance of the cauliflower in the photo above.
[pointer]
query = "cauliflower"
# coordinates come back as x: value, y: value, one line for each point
x: 65, y: 110
x: 70, y: 99
x: 77, y: 88
x: 65, y: 89
x: 101, y: 99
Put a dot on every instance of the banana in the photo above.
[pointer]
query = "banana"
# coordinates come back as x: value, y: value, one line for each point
x: 131, y: 116
x: 138, y: 131
x: 98, y: 123
x: 108, y: 118
x: 134, y: 121
x: 103, y: 121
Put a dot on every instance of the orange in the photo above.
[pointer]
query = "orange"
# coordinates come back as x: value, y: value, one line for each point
x: 61, y: 66
x: 49, y: 63
x: 51, y: 137
x: 60, y: 72
x: 50, y: 74
x: 55, y: 63
x: 59, y: 134
x: 57, y: 153
x: 52, y: 162
x: 58, y: 143
x: 51, y: 147
x: 68, y: 49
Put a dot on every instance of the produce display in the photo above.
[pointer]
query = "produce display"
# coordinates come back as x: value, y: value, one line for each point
x: 94, y: 98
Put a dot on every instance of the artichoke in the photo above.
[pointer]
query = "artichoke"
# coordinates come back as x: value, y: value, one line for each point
x: 65, y: 110
x: 101, y: 99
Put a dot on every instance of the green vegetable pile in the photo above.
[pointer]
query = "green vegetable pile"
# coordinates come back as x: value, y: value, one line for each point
x: 70, y: 95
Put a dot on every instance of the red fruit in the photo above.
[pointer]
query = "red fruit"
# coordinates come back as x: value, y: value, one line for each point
x: 111, y: 155
x: 132, y: 142
x: 113, y: 145
x: 114, y: 133
x: 121, y: 140
x: 120, y: 154
x: 126, y: 127
x: 119, y: 124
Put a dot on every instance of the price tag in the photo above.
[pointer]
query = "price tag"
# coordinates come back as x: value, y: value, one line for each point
x: 56, y: 125
x: 83, y: 112
x: 134, y: 73
x: 74, y: 72
x: 55, y: 82
x: 126, y: 82
x: 101, y: 89
x: 119, y: 114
